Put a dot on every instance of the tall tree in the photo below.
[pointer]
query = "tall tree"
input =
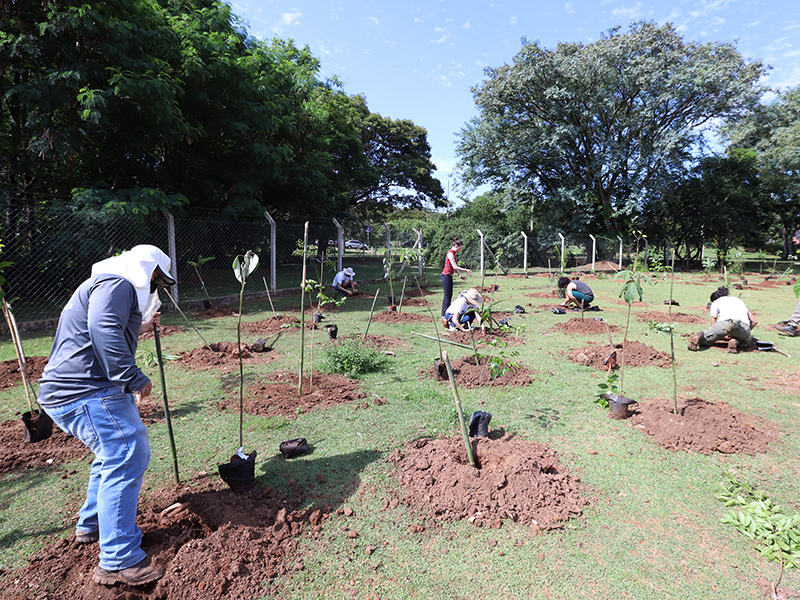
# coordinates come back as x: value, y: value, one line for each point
x: 592, y: 127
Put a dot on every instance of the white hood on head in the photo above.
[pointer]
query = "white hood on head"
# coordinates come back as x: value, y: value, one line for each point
x: 137, y: 266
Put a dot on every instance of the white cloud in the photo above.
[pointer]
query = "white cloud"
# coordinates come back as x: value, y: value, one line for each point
x: 445, y: 81
x: 754, y: 24
x: 374, y: 20
x: 570, y: 8
x: 390, y: 42
x: 465, y: 25
x: 512, y: 21
x: 443, y: 38
x: 792, y: 26
x: 290, y: 18
x: 629, y: 13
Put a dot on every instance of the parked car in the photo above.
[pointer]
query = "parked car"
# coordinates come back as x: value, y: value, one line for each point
x: 355, y: 245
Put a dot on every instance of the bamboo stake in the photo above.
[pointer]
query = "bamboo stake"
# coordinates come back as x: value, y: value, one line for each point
x: 458, y: 408
x: 440, y: 340
x: 175, y: 304
x: 402, y: 294
x: 269, y: 297
x: 672, y: 341
x: 303, y: 313
x: 371, y: 310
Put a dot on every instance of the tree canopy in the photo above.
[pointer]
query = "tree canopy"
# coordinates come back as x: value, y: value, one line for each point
x: 156, y: 103
x: 593, y: 129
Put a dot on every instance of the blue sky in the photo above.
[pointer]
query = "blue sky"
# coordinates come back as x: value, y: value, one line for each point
x: 418, y: 61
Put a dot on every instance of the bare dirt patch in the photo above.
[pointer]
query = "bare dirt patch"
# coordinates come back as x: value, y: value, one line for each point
x: 635, y: 354
x: 702, y: 426
x: 471, y: 372
x: 278, y: 396
x: 18, y: 455
x: 588, y: 325
x: 483, y: 337
x: 272, y: 325
x: 518, y: 480
x: 211, y: 542
x: 393, y: 316
x: 224, y: 356
x: 676, y: 317
x: 216, y: 312
x: 163, y: 331
x: 10, y: 374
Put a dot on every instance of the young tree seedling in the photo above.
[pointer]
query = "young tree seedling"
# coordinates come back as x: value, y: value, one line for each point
x: 243, y: 266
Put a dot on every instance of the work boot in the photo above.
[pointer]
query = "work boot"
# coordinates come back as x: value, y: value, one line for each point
x: 694, y: 341
x: 483, y: 425
x: 733, y: 346
x: 139, y: 574
x: 786, y: 329
x: 445, y: 324
x: 87, y: 538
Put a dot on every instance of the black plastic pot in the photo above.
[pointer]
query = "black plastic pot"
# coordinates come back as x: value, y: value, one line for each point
x: 618, y: 406
x: 207, y: 305
x: 37, y: 427
x: 392, y: 300
x: 318, y: 318
x: 333, y: 331
x: 240, y: 473
x: 440, y: 369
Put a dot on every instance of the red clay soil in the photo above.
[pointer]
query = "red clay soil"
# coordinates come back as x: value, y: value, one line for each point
x: 543, y: 295
x: 636, y: 354
x: 163, y: 331
x: 676, y: 317
x: 587, y: 326
x: 516, y: 479
x: 211, y: 542
x: 471, y: 373
x: 416, y: 302
x: 217, y: 311
x: 279, y: 397
x: 483, y: 337
x: 393, y: 316
x: 10, y: 374
x: 376, y: 342
x: 702, y: 426
x: 224, y: 356
x: 272, y: 325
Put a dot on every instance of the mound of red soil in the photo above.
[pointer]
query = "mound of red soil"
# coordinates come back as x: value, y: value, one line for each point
x: 676, y: 317
x: 516, y: 479
x: 543, y: 295
x: 587, y: 326
x: 163, y: 331
x: 516, y: 276
x: 416, y: 302
x: 470, y: 373
x: 272, y: 325
x: 393, y: 316
x: 279, y: 396
x: 701, y: 426
x: 17, y: 455
x: 484, y: 337
x: 225, y: 356
x: 635, y: 354
x: 211, y: 543
x: 217, y: 311
x: 10, y: 374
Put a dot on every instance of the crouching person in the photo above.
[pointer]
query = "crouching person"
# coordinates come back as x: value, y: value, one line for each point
x: 729, y: 317
x: 459, y: 316
x: 90, y: 388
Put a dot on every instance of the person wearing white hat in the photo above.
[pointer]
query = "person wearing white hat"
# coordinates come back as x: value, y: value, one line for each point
x: 458, y: 315
x: 90, y: 388
x: 344, y: 282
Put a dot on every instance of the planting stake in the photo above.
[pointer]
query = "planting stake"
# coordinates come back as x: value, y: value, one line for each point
x: 166, y: 403
x: 430, y: 312
x: 303, y: 313
x: 440, y: 340
x: 672, y: 341
x: 269, y: 297
x: 371, y: 310
x: 175, y: 304
x: 402, y: 293
x: 458, y: 408
x: 23, y: 365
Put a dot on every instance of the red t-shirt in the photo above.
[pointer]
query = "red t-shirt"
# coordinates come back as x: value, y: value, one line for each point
x: 449, y: 262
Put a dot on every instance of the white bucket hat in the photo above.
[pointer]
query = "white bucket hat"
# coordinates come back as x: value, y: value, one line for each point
x: 473, y: 297
x: 349, y: 272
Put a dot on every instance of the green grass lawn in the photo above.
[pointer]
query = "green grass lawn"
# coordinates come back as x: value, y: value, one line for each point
x: 652, y: 530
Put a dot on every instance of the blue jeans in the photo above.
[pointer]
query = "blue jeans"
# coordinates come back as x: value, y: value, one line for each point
x: 109, y: 424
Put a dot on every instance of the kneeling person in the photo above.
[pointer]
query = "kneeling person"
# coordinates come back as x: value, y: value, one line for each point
x: 458, y: 315
x: 576, y: 292
x: 729, y: 317
x: 344, y: 283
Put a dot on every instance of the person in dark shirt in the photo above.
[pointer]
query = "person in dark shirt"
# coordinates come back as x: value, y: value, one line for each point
x: 90, y: 388
x: 576, y: 292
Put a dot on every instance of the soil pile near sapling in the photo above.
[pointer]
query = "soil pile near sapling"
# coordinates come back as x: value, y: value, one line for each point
x: 217, y: 311
x: 393, y: 316
x: 550, y: 295
x: 279, y: 396
x: 516, y: 479
x: 10, y: 374
x: 17, y: 455
x: 600, y: 265
x: 634, y: 354
x: 211, y: 543
x: 163, y: 331
x: 483, y: 337
x: 470, y: 372
x: 702, y: 426
x: 376, y: 342
x: 676, y: 317
x: 272, y: 325
x: 516, y: 276
x: 224, y: 356
x: 416, y: 302
x: 588, y: 325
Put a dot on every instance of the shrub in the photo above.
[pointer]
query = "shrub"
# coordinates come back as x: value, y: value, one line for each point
x: 352, y: 358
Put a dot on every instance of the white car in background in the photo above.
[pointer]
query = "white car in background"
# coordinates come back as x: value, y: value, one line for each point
x: 355, y: 245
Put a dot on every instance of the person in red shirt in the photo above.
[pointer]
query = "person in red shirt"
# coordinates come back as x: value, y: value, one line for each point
x: 450, y: 267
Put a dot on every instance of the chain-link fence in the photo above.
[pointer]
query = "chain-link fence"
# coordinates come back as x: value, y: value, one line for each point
x: 51, y: 251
